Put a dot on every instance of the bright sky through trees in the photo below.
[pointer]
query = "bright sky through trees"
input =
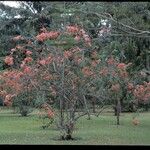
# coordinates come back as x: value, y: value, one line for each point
x: 11, y: 3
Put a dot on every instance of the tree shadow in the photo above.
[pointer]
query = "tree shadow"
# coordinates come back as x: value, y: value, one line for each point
x: 60, y: 139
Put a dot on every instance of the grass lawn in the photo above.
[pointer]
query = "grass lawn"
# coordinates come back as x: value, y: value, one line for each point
x: 97, y: 131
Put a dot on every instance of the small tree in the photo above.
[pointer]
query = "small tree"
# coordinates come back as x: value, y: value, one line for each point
x: 142, y: 93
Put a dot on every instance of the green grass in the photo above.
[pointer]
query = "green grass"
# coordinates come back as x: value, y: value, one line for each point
x: 99, y: 130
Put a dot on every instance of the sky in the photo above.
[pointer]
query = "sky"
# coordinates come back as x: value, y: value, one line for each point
x: 16, y: 4
x: 11, y: 3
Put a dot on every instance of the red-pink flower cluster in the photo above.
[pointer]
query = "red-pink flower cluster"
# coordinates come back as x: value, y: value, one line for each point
x: 87, y: 71
x: 122, y: 70
x: 111, y: 61
x: 77, y: 38
x: 130, y: 86
x: 48, y: 35
x: 12, y: 75
x: 46, y: 61
x: 28, y: 52
x: 3, y: 93
x: 94, y: 63
x: 27, y: 70
x: 142, y: 92
x: 50, y: 113
x: 121, y: 66
x: 86, y: 37
x: 8, y: 99
x: 68, y: 54
x: 9, y: 60
x: 11, y: 81
x: 28, y: 59
x: 47, y: 77
x: 78, y: 59
x: 72, y: 29
x: 104, y: 71
x: 79, y: 33
x: 19, y: 37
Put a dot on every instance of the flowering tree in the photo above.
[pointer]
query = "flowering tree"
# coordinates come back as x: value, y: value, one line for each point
x: 116, y: 77
x: 50, y: 66
x: 54, y: 69
x: 142, y: 93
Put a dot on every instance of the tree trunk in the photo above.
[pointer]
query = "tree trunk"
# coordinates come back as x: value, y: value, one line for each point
x: 61, y: 113
x: 146, y: 107
x: 86, y: 107
x: 93, y: 104
x: 69, y: 131
x: 67, y: 137
x: 118, y: 111
x: 23, y: 111
x: 118, y: 121
x: 115, y: 110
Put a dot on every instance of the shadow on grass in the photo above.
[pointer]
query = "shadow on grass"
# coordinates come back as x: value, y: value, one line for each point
x: 60, y: 139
